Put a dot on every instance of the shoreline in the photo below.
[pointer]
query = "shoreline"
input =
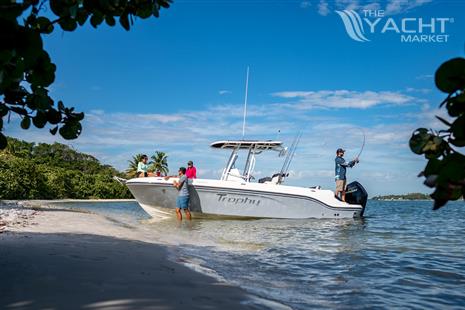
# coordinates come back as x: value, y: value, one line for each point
x: 67, y: 259
x: 42, y: 202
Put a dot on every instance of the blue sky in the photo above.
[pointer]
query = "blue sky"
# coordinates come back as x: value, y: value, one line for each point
x: 176, y: 84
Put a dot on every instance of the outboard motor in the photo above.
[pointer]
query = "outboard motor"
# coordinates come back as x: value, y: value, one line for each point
x: 356, y: 194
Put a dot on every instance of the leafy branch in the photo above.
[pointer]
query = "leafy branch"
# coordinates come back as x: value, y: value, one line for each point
x: 26, y: 70
x: 445, y: 170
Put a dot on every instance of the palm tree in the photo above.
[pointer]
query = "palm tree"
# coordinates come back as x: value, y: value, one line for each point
x: 131, y: 172
x: 160, y: 162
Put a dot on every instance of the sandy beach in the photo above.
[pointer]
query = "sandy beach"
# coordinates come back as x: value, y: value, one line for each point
x: 53, y: 258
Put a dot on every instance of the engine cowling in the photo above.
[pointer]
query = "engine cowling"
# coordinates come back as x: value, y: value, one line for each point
x: 356, y: 194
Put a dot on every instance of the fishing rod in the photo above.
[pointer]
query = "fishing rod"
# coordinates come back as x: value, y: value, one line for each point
x: 293, y: 153
x: 363, y: 143
x: 289, y: 157
x: 289, y: 151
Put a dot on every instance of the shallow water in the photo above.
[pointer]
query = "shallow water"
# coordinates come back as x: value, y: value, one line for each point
x: 402, y: 254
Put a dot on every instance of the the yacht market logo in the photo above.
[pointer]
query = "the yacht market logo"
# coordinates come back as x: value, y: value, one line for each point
x: 362, y: 27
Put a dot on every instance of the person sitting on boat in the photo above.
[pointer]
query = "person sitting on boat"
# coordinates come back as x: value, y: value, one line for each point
x: 143, y: 167
x: 182, y: 201
x: 341, y: 167
x: 191, y: 171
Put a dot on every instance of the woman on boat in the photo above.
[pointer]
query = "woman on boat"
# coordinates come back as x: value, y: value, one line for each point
x: 143, y: 167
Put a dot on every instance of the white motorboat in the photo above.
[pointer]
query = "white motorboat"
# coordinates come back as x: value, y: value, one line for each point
x: 236, y: 195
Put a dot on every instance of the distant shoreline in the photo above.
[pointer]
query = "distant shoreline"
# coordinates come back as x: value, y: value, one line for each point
x: 403, y: 197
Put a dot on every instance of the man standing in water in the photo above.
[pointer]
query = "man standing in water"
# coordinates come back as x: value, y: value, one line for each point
x: 182, y: 201
x: 341, y: 167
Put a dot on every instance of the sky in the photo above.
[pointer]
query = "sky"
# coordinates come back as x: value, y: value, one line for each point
x: 177, y: 83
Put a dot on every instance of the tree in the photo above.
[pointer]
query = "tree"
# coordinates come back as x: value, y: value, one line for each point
x: 160, y: 162
x: 445, y: 170
x: 55, y: 171
x: 19, y: 148
x: 131, y: 172
x: 26, y: 70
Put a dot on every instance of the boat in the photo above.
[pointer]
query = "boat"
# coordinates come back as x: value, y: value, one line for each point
x: 236, y: 194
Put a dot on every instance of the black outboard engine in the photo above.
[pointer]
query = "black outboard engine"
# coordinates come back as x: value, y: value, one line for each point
x: 356, y: 194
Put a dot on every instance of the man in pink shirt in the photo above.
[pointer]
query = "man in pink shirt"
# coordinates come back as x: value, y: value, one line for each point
x: 191, y: 172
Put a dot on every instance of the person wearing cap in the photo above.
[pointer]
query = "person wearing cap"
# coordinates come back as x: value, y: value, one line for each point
x: 191, y: 172
x: 341, y: 167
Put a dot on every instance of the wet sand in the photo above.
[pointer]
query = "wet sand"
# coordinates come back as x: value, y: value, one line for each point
x: 63, y: 259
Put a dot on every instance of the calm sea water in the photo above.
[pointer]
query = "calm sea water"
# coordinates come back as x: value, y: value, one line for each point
x: 401, y: 255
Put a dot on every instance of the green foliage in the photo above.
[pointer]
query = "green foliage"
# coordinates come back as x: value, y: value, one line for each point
x: 26, y: 70
x: 445, y: 170
x: 44, y: 171
x: 160, y: 162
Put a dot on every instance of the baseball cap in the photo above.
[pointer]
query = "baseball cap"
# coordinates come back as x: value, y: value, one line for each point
x: 339, y: 150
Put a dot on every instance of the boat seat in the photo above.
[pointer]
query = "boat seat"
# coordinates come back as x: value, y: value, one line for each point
x: 235, y: 175
x: 274, y: 179
x: 265, y: 179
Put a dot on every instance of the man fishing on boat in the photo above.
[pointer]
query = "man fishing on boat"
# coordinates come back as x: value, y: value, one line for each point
x: 341, y: 167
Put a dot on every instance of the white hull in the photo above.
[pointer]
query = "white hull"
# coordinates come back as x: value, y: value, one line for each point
x: 241, y: 199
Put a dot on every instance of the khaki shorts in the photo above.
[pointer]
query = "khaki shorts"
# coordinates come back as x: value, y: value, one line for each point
x: 340, y: 185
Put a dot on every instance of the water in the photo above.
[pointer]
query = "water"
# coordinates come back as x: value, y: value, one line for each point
x: 402, y: 254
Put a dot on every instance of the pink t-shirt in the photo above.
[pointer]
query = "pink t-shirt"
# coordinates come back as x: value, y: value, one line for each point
x: 191, y: 173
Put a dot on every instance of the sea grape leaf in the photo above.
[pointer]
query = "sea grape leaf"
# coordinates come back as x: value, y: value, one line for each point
x: 26, y: 122
x: 419, y: 139
x: 450, y: 75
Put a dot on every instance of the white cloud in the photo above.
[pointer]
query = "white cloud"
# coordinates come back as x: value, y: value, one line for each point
x: 418, y: 90
x: 343, y: 98
x: 323, y: 8
x: 390, y: 7
x: 305, y: 4
x: 401, y: 6
x: 371, y: 6
x: 224, y: 92
x: 348, y: 4
x: 425, y: 77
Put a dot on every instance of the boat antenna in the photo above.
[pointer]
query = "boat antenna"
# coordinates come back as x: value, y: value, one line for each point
x: 245, y: 102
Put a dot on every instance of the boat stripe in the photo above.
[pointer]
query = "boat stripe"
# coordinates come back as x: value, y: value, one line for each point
x: 284, y: 195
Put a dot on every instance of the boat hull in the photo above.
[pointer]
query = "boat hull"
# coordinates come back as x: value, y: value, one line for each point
x: 230, y: 199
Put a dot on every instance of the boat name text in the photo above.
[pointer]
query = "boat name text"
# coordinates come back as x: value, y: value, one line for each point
x: 238, y: 200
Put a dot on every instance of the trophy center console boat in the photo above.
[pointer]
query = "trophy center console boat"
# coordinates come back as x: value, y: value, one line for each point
x: 234, y: 195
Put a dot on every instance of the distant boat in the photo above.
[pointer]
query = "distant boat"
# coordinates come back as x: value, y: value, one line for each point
x: 236, y: 195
